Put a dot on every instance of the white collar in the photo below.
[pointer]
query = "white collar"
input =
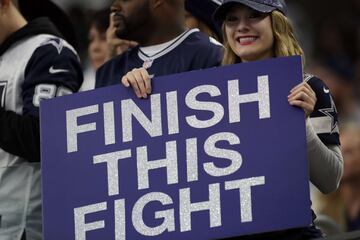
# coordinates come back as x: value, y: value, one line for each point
x: 152, y: 52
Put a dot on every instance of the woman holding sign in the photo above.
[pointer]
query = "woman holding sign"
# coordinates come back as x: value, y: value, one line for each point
x: 259, y: 29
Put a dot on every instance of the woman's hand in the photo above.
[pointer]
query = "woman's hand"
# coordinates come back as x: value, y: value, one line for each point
x: 115, y: 45
x: 304, y: 97
x: 139, y: 80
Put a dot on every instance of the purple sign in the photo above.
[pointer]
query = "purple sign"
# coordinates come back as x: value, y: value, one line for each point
x: 211, y: 154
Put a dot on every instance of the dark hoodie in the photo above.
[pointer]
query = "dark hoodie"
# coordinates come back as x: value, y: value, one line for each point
x: 37, y: 26
x: 19, y: 134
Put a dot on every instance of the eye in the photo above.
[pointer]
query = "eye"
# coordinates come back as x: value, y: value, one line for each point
x: 257, y: 15
x: 254, y: 15
x: 231, y: 18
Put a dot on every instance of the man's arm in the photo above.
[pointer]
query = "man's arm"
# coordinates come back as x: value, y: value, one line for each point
x: 53, y: 70
x: 20, y: 135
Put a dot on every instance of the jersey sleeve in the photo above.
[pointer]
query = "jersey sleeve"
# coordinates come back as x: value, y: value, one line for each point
x: 52, y: 71
x: 324, y: 118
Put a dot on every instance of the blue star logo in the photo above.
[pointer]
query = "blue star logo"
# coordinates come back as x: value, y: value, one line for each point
x: 57, y: 43
x: 331, y: 113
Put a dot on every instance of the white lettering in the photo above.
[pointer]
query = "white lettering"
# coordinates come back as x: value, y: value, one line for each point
x: 262, y: 96
x: 73, y: 129
x: 109, y: 123
x: 213, y: 151
x: 213, y: 205
x: 129, y: 109
x: 214, y: 107
x: 79, y: 218
x: 112, y: 162
x: 168, y: 215
x: 244, y: 186
x: 144, y: 165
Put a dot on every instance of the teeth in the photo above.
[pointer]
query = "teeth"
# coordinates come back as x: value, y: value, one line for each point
x: 246, y: 39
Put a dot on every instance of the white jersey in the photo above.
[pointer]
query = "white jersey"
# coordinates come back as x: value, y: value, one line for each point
x: 28, y: 74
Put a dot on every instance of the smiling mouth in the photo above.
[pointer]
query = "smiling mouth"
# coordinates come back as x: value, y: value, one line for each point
x: 246, y: 40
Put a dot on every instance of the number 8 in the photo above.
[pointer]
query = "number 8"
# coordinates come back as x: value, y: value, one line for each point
x: 43, y: 91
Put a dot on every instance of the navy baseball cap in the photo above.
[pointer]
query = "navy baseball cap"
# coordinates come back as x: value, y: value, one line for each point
x: 264, y: 6
x: 204, y: 10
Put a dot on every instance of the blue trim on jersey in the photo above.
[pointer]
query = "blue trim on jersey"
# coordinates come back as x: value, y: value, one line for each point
x: 178, y: 40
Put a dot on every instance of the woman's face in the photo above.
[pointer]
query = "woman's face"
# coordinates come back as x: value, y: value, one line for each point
x: 249, y: 33
x: 97, y: 49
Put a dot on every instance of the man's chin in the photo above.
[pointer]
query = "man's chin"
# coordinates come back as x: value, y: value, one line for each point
x: 122, y: 34
x: 126, y: 35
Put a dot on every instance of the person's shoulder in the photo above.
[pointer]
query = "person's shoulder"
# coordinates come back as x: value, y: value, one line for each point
x: 114, y: 63
x: 51, y: 50
x: 110, y: 72
x: 45, y: 44
x: 105, y: 72
x: 204, y: 51
x: 201, y: 40
x: 56, y: 44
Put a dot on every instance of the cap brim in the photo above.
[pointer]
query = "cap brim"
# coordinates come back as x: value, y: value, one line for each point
x: 223, y: 9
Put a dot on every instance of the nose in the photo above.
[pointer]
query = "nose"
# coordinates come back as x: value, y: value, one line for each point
x: 116, y: 5
x: 243, y: 25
